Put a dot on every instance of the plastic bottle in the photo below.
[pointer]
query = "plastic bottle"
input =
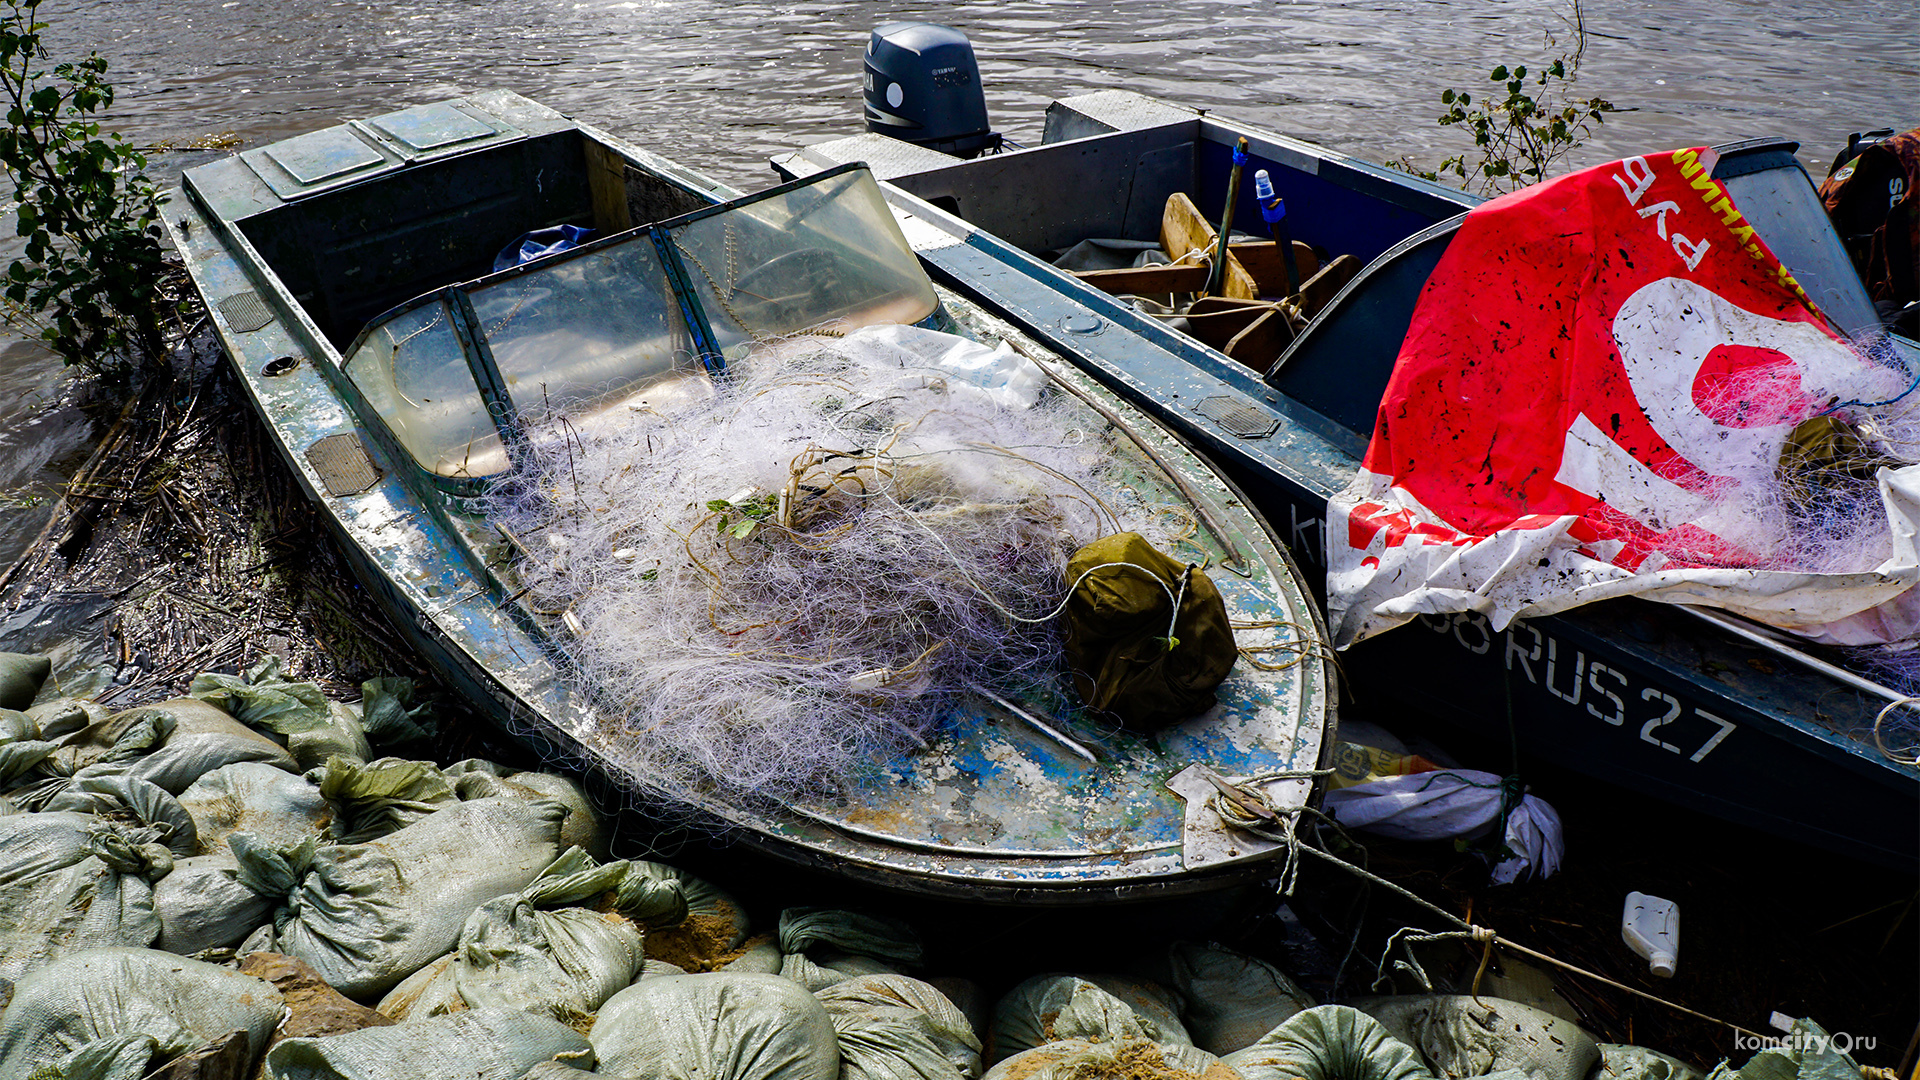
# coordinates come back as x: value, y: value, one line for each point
x: 1651, y: 927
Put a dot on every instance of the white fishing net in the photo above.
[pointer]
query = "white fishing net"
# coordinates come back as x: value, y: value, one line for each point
x: 794, y: 578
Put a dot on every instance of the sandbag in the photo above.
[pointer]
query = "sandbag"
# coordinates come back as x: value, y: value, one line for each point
x: 1329, y: 1042
x: 393, y: 712
x: 70, y: 882
x: 1231, y: 999
x: 1132, y: 654
x: 1120, y: 1059
x: 891, y: 1027
x: 203, y: 739
x: 832, y: 968
x: 263, y: 697
x: 21, y: 676
x: 373, y: 798
x: 564, y: 962
x: 203, y: 905
x: 430, y: 991
x: 341, y: 735
x: 126, y: 794
x: 1099, y: 1008
x: 484, y: 1044
x: 368, y: 915
x: 108, y: 745
x: 824, y: 946
x: 710, y: 935
x: 64, y: 715
x: 132, y: 996
x: 1806, y: 1052
x: 1619, y: 1061
x: 1462, y: 1036
x: 23, y: 746
x: 278, y: 807
x: 582, y: 827
x: 716, y: 1026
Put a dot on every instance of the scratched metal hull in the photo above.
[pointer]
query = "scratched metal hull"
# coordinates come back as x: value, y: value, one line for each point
x: 1683, y: 706
x: 994, y: 811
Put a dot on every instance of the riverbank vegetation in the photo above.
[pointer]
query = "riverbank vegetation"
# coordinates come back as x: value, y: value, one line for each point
x: 91, y: 281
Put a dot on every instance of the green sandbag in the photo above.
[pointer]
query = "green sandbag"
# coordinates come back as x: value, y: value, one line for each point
x: 373, y: 798
x: 367, y: 915
x: 1115, y: 627
x: 1619, y: 1061
x: 21, y: 677
x: 177, y: 1004
x: 892, y: 1027
x: 1231, y: 999
x: 70, y: 882
x: 716, y: 1026
x: 1807, y: 1053
x: 486, y: 1044
x: 1461, y: 1035
x: 278, y: 808
x: 1099, y: 1008
x: 262, y: 697
x: 1117, y: 1059
x: 1329, y: 1042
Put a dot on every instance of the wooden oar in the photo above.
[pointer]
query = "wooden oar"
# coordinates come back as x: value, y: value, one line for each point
x: 1226, y: 217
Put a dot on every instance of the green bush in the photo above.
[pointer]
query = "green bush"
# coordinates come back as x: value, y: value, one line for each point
x: 91, y: 218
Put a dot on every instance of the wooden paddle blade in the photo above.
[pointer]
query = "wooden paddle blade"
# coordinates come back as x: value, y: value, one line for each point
x: 1262, y: 260
x: 1316, y: 291
x: 1146, y: 280
x: 1183, y: 230
x: 1262, y: 342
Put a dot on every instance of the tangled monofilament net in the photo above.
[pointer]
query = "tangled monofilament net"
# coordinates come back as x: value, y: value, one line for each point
x: 791, y: 582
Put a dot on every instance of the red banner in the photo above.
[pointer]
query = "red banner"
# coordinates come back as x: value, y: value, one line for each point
x: 1600, y: 375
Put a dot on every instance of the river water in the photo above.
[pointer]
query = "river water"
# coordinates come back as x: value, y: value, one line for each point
x: 721, y: 86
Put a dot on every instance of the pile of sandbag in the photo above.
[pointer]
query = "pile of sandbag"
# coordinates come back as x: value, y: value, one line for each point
x: 235, y: 884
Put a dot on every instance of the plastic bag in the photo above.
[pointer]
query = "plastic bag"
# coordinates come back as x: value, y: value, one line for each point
x: 69, y: 882
x: 891, y: 1027
x: 368, y: 915
x: 484, y: 1044
x: 1465, y: 1036
x: 136, y: 1000
x: 1329, y: 1042
x: 1231, y: 1000
x: 1047, y: 1008
x: 1450, y: 803
x: 278, y: 808
x: 716, y: 1026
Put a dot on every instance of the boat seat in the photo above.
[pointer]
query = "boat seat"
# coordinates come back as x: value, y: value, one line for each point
x: 1339, y: 365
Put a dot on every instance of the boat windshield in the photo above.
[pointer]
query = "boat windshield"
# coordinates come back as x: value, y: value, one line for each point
x: 587, y: 332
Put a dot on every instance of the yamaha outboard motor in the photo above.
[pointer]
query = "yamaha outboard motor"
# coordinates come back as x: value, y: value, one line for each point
x: 923, y: 87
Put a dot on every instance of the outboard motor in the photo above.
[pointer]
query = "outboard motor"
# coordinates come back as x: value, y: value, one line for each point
x: 923, y: 87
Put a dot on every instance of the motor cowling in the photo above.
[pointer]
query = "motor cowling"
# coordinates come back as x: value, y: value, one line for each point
x: 923, y: 87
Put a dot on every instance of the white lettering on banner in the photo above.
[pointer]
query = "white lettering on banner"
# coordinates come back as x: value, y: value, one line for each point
x: 1596, y: 466
x: 1638, y: 178
x: 1689, y: 252
x: 1662, y: 209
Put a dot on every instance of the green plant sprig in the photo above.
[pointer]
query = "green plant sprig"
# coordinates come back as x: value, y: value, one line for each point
x: 89, y: 282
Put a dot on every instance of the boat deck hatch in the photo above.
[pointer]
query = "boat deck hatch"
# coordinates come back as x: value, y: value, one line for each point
x: 315, y: 158
x: 431, y: 127
x: 1236, y: 417
x: 245, y: 312
x: 343, y: 464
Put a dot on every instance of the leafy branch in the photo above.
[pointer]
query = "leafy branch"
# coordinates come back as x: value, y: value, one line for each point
x: 90, y: 280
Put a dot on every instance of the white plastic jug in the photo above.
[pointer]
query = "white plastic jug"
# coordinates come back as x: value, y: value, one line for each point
x: 1651, y: 927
